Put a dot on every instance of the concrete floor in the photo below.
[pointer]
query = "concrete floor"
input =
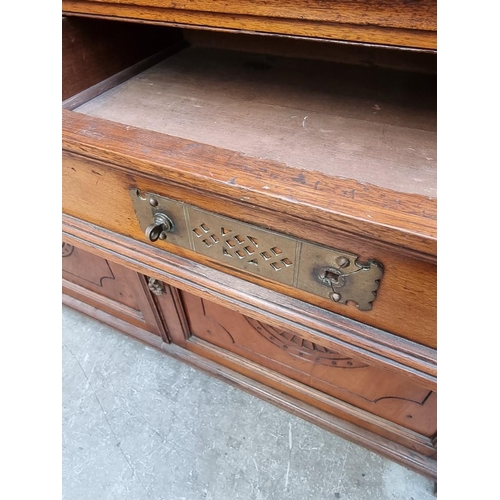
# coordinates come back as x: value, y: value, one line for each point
x: 139, y: 425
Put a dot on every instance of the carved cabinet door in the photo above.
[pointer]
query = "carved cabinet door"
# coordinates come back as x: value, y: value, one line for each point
x: 275, y: 355
x: 108, y: 292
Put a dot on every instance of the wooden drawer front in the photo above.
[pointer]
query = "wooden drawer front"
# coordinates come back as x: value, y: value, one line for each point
x: 401, y: 23
x: 99, y: 193
x: 343, y: 377
x: 109, y: 287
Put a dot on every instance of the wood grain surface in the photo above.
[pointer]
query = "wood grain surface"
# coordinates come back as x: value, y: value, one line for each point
x: 398, y: 23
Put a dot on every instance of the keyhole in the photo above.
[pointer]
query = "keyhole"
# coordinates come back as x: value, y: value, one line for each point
x: 333, y: 277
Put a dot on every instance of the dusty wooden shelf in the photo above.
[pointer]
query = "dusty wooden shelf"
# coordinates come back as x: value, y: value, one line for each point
x: 373, y: 125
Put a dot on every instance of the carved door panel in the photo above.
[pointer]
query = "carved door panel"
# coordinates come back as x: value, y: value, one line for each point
x: 343, y: 377
x: 109, y: 287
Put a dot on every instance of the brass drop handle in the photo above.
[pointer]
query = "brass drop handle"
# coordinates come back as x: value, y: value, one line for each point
x: 161, y: 226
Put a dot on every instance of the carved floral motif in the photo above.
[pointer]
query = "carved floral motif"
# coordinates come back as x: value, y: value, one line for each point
x: 304, y: 349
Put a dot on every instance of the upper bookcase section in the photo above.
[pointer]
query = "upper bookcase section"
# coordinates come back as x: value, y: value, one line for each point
x: 410, y: 24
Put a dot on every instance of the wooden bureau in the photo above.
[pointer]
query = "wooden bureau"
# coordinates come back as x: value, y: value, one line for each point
x: 251, y: 188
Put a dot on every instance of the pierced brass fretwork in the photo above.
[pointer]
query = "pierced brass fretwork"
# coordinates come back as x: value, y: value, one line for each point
x: 320, y: 270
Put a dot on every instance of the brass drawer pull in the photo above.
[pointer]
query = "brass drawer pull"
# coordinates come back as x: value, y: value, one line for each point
x: 159, y: 228
x: 323, y: 271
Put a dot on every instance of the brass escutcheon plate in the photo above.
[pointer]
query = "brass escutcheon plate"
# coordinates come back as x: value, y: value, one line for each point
x: 323, y: 271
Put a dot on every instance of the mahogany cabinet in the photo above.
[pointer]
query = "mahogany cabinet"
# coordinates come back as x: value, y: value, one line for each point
x: 249, y: 191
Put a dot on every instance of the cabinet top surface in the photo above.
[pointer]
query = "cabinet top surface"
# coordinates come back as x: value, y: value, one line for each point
x: 400, y: 23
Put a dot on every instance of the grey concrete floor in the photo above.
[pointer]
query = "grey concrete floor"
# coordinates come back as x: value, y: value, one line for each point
x: 140, y: 425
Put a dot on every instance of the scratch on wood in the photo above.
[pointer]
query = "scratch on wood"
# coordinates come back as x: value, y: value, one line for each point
x: 300, y: 178
x: 96, y: 173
